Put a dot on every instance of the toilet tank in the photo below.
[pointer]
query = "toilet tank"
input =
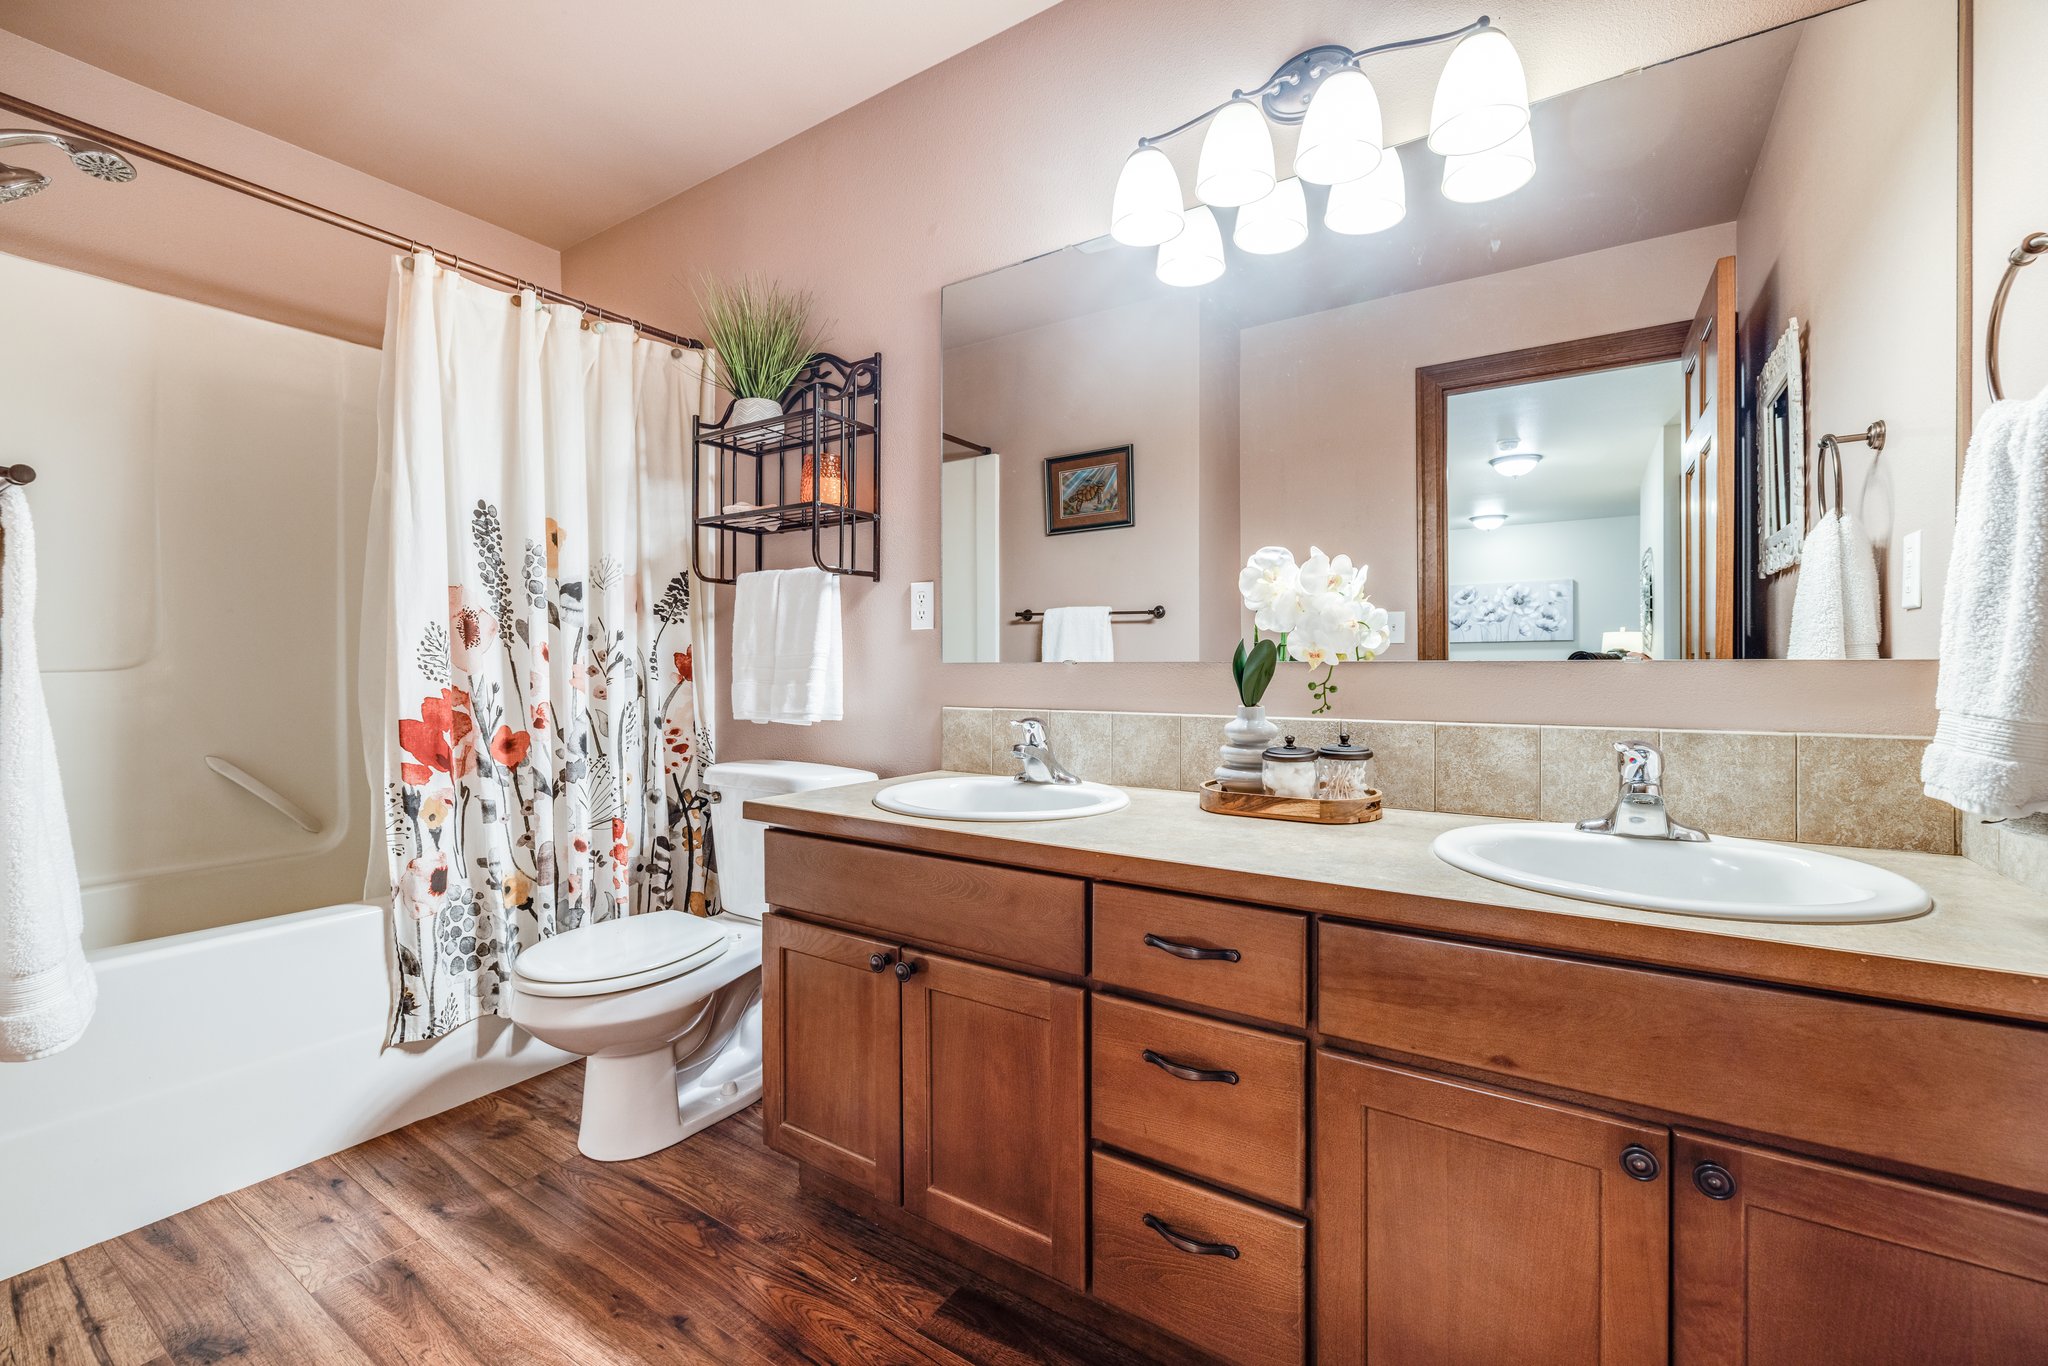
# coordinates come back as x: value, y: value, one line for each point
x: 736, y: 841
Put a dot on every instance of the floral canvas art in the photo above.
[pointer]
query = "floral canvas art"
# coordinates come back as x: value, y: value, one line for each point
x: 1502, y: 613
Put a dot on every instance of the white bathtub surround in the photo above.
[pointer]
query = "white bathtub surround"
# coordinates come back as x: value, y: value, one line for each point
x: 47, y: 990
x: 529, y: 635
x: 1990, y: 750
x: 789, y: 665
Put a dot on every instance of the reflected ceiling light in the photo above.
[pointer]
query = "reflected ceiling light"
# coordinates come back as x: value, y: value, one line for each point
x: 1372, y: 203
x: 1277, y: 223
x: 1515, y: 464
x: 1488, y: 521
x: 1490, y: 174
x: 1147, y: 209
x: 1196, y: 256
x: 1341, y: 135
x: 1482, y: 98
x: 1237, y: 157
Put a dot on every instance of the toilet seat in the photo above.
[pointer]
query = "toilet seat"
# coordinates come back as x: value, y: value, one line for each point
x: 618, y: 955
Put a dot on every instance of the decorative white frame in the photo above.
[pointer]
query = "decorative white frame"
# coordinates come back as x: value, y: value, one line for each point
x: 1781, y: 473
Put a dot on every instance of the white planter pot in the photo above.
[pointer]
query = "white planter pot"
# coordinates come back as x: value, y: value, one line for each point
x: 753, y: 410
x: 1246, y: 738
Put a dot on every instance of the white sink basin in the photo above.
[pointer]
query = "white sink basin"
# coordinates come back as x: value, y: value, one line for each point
x: 999, y: 799
x: 1729, y: 878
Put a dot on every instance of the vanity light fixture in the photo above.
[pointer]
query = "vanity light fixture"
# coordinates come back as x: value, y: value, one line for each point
x: 1277, y: 223
x: 1195, y: 257
x: 1480, y: 114
x: 1488, y: 521
x: 1513, y: 464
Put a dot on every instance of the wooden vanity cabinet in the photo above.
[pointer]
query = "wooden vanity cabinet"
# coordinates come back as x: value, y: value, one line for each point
x: 953, y: 1088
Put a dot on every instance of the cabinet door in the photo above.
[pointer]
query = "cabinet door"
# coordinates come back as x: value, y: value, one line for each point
x: 1460, y: 1224
x: 1782, y: 1260
x: 994, y: 1138
x: 829, y: 1024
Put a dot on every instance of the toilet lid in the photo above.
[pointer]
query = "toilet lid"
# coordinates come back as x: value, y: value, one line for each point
x: 650, y: 947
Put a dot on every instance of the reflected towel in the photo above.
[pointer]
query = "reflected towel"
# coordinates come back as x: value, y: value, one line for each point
x: 47, y: 989
x: 1819, y: 626
x: 788, y: 657
x: 1990, y: 750
x: 1076, y: 635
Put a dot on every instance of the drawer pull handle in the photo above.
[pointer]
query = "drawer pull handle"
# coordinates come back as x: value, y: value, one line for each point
x: 879, y: 962
x: 1714, y: 1181
x: 1186, y: 1073
x: 1191, y: 951
x: 1194, y: 1247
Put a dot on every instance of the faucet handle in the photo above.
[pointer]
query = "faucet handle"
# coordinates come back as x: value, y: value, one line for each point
x: 1033, y: 729
x: 1641, y: 766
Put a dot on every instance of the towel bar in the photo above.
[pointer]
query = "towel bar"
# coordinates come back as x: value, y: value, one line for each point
x: 2030, y: 250
x: 17, y: 474
x: 1025, y: 615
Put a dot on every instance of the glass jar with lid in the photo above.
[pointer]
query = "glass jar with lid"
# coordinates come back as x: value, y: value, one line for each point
x: 1344, y: 771
x: 1289, y: 770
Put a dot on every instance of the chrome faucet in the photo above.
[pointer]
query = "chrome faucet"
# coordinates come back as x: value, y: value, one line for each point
x: 1639, y: 807
x: 1036, y: 755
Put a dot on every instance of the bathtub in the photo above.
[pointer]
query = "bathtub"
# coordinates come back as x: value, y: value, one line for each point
x: 218, y: 1058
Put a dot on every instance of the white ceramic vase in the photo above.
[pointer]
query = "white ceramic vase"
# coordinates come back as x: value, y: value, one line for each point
x: 1246, y: 737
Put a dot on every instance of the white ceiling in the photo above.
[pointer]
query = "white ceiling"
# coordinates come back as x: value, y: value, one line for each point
x: 1595, y: 432
x: 551, y: 118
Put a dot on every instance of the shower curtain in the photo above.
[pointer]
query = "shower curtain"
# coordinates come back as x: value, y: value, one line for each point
x: 533, y: 650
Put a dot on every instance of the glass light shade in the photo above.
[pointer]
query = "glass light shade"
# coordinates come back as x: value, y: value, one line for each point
x: 1196, y: 256
x: 1515, y: 464
x: 1491, y: 174
x: 1482, y: 99
x: 1340, y: 138
x: 1488, y: 521
x: 1237, y: 157
x: 1147, y: 209
x: 1277, y: 223
x: 1372, y: 203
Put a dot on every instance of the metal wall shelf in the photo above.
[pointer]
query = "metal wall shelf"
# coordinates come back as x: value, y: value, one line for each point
x: 830, y: 428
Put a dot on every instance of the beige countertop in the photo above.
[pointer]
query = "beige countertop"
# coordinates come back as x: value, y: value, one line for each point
x: 1982, y: 948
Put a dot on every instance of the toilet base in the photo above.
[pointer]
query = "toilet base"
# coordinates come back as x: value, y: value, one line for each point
x: 644, y: 1102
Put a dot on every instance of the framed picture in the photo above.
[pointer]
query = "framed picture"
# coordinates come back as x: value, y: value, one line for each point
x: 1503, y: 613
x: 1088, y: 492
x: 1781, y: 456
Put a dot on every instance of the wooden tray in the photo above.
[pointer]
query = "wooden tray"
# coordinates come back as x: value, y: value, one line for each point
x: 1354, y: 811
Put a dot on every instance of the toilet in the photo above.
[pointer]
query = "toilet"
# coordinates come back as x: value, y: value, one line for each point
x: 666, y: 1006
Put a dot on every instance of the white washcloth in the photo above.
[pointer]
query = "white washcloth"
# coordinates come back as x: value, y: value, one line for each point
x: 788, y: 658
x: 1076, y: 635
x: 1819, y: 628
x: 47, y: 989
x: 1990, y: 750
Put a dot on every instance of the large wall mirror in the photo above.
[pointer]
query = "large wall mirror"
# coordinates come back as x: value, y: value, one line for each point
x: 1583, y: 420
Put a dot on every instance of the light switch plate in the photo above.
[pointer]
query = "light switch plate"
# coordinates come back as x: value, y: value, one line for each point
x: 921, y: 612
x: 1909, y: 572
x: 1397, y: 627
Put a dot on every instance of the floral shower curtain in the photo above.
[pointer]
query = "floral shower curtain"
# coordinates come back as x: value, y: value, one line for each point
x: 532, y: 659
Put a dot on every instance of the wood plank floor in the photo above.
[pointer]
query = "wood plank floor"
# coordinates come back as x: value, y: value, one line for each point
x: 483, y: 1236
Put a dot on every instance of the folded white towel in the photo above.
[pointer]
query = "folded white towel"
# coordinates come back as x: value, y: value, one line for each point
x: 1076, y: 635
x: 1990, y: 750
x: 1819, y: 625
x: 1860, y: 613
x: 788, y: 657
x: 47, y: 989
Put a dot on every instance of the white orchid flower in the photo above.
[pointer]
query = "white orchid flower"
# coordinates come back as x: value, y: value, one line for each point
x: 1320, y: 574
x: 1270, y: 569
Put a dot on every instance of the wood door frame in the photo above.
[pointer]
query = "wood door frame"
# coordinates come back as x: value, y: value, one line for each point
x: 1434, y: 385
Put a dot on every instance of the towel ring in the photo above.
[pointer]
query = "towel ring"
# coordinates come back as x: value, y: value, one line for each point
x: 1873, y: 436
x: 2030, y: 250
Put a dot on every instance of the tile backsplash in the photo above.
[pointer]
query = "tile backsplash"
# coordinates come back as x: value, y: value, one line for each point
x: 1857, y: 790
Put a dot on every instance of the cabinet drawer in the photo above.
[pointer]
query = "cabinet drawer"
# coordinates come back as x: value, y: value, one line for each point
x: 1216, y: 1271
x: 1035, y: 920
x: 1944, y: 1093
x: 1207, y: 953
x: 1244, y: 1128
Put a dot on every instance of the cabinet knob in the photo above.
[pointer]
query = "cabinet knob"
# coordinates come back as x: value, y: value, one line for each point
x: 905, y: 970
x: 1194, y: 1247
x: 879, y: 962
x: 1640, y: 1163
x: 1714, y: 1181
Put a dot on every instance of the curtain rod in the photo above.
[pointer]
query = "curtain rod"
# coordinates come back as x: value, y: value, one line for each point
x: 142, y: 151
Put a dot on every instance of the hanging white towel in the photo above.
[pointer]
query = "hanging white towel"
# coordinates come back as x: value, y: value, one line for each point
x: 1819, y: 605
x: 1990, y: 750
x: 1076, y: 635
x: 788, y: 658
x: 47, y: 989
x: 1859, y: 591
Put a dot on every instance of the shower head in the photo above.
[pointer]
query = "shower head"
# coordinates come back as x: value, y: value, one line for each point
x: 15, y: 183
x: 98, y: 161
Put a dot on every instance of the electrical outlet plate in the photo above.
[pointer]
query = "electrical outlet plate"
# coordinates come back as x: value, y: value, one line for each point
x: 922, y: 611
x: 1909, y: 572
x: 1397, y: 627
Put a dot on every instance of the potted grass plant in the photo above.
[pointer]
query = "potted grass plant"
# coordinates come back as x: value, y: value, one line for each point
x: 763, y: 336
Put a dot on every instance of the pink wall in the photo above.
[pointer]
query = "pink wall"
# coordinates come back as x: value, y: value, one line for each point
x: 1011, y: 149
x: 176, y: 235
